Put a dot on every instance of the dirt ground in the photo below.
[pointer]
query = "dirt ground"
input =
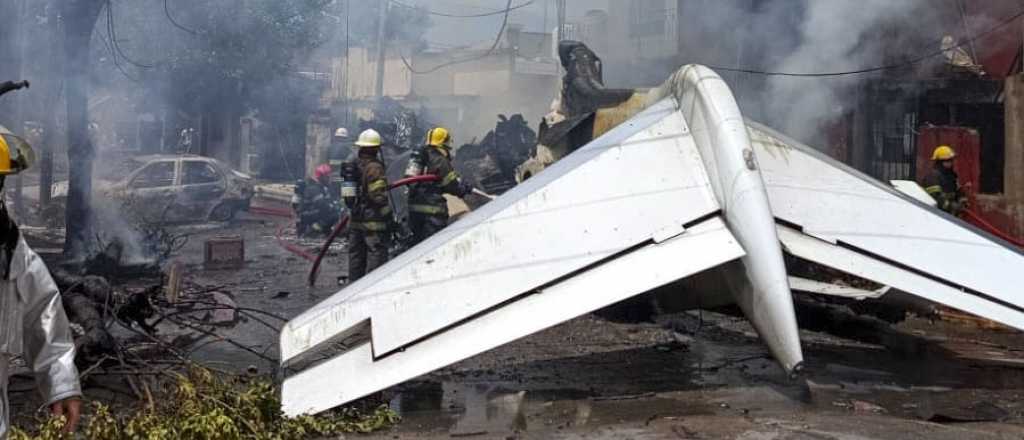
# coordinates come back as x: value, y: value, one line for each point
x: 694, y: 375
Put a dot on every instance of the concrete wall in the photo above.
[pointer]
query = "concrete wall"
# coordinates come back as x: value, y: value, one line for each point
x: 1014, y: 153
x: 319, y: 130
x: 466, y: 96
x: 362, y: 75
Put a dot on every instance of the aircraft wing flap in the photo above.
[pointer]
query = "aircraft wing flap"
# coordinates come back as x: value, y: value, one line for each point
x: 838, y: 206
x: 359, y: 372
x: 868, y: 267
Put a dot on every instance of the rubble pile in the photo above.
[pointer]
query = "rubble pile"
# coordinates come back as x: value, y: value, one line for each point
x: 491, y: 163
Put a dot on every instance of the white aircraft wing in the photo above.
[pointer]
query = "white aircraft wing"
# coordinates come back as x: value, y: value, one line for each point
x: 833, y: 215
x: 629, y: 212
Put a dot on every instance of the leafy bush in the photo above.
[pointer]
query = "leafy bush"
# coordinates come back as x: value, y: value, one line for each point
x: 202, y: 405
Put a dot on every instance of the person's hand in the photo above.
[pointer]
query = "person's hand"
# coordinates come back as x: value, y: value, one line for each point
x: 466, y: 188
x: 71, y: 409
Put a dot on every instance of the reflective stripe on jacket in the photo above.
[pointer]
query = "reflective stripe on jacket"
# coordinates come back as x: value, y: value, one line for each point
x: 373, y: 209
x: 428, y: 197
x: 943, y: 186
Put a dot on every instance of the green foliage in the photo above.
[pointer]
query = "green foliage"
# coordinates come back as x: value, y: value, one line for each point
x: 201, y: 405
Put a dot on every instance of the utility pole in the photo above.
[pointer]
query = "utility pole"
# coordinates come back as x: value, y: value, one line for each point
x: 381, y: 31
x: 560, y: 8
x: 19, y: 103
x: 51, y: 137
x: 344, y: 83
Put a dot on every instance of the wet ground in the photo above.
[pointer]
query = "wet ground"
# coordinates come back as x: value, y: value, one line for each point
x: 694, y: 375
x: 590, y: 378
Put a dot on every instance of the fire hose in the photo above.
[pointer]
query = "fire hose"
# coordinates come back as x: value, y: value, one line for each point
x: 315, y: 271
x: 342, y: 222
x: 975, y: 219
x: 290, y: 247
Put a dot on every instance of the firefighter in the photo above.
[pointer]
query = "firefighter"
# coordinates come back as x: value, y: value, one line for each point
x: 339, y: 149
x: 33, y: 324
x: 369, y: 234
x: 318, y: 208
x: 428, y: 209
x: 943, y: 184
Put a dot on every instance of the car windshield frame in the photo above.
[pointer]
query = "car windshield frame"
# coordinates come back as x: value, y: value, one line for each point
x: 145, y: 171
x: 219, y: 176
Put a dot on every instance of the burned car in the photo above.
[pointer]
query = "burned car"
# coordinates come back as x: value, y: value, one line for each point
x: 185, y: 188
x: 176, y: 189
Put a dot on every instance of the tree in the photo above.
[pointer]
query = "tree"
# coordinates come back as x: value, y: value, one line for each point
x: 79, y: 19
x: 208, y: 61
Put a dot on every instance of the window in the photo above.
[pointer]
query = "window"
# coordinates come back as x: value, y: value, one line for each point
x: 155, y: 175
x: 197, y: 173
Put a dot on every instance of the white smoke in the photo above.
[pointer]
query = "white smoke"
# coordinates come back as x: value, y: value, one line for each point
x: 839, y: 36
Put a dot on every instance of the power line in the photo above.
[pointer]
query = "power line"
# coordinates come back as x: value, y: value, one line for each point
x: 902, y: 65
x: 113, y: 57
x: 113, y: 39
x: 167, y: 12
x: 497, y: 41
x: 505, y: 11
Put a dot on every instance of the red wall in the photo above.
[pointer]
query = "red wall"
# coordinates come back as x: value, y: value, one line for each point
x: 998, y: 50
x: 965, y: 141
x: 992, y: 209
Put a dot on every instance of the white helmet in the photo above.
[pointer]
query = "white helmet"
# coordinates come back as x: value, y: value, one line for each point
x: 341, y: 133
x: 368, y: 139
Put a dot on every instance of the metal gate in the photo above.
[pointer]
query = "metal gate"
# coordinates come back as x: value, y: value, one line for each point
x: 894, y: 138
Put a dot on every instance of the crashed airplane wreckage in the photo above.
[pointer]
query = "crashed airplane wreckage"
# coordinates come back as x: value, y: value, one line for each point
x: 684, y: 185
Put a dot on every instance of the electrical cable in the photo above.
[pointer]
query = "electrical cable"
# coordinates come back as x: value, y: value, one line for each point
x: 507, y: 9
x: 497, y: 41
x: 167, y: 12
x: 111, y: 32
x: 963, y: 18
x: 113, y: 56
x: 901, y: 65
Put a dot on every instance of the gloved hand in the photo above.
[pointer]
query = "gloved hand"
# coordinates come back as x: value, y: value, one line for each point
x: 957, y: 206
x: 465, y: 188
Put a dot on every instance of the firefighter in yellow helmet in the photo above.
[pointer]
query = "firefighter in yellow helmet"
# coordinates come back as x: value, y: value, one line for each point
x: 34, y: 324
x: 365, y: 191
x: 942, y: 182
x: 428, y: 209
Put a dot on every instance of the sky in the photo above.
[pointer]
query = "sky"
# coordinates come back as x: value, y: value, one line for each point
x: 449, y: 32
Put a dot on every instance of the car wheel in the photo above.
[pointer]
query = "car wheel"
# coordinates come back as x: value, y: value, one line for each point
x: 223, y: 212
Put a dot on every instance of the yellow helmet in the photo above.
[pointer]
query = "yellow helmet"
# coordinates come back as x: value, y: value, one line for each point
x: 16, y: 154
x: 943, y: 152
x: 368, y: 139
x: 439, y: 137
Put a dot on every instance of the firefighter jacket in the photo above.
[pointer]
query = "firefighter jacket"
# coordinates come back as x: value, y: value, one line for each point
x: 428, y: 197
x: 317, y: 200
x: 33, y: 325
x: 943, y: 185
x: 372, y: 211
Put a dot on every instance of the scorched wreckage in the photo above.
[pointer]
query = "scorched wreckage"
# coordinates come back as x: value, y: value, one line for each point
x: 718, y: 193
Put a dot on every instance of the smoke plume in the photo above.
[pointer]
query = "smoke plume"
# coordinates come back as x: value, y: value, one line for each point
x: 841, y: 36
